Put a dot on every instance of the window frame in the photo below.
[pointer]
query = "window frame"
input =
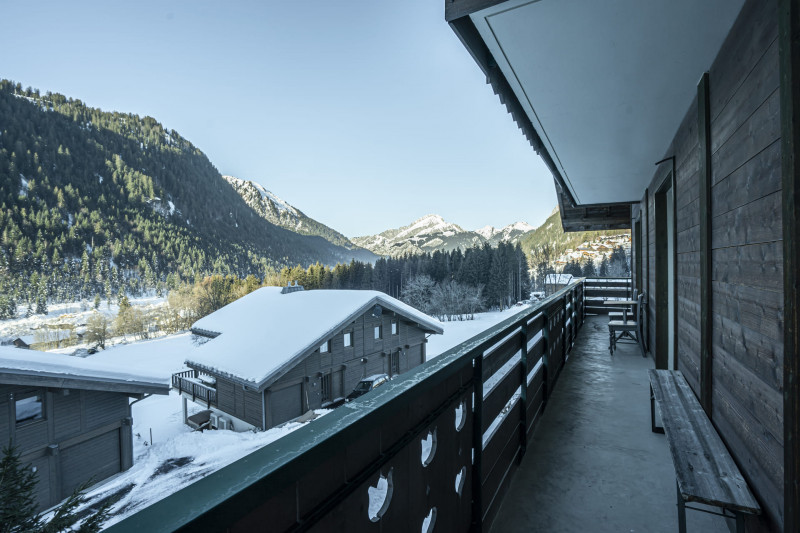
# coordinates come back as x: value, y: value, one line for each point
x: 378, y: 332
x: 326, y: 388
x: 24, y: 395
x: 347, y: 339
x: 395, y: 327
x: 327, y: 347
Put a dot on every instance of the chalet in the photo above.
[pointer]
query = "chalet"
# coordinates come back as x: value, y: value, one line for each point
x: 555, y: 282
x: 69, y: 418
x: 277, y: 353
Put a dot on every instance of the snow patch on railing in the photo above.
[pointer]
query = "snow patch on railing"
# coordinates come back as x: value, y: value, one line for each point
x: 502, y: 372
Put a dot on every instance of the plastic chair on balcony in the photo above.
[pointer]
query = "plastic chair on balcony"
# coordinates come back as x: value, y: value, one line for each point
x: 627, y: 327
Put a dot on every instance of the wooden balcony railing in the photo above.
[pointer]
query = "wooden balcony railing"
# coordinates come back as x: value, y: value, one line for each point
x: 597, y: 290
x: 187, y: 382
x: 435, y: 447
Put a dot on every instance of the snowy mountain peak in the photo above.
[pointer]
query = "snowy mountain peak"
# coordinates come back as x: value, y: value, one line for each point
x: 432, y: 232
x: 519, y: 226
x: 487, y: 232
x: 281, y: 213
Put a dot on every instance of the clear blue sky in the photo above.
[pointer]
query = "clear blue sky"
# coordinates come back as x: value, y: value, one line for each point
x: 364, y: 114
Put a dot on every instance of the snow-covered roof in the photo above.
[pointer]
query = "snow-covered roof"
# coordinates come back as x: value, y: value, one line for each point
x: 30, y: 367
x: 558, y: 279
x: 263, y: 335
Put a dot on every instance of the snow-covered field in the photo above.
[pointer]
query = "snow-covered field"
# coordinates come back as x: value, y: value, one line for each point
x: 71, y: 314
x: 168, y: 455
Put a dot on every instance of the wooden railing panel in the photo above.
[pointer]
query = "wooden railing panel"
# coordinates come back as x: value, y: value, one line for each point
x: 500, y: 457
x: 499, y: 396
x: 499, y: 356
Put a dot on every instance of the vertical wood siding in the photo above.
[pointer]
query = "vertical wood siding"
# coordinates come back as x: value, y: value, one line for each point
x: 746, y: 253
x: 79, y: 438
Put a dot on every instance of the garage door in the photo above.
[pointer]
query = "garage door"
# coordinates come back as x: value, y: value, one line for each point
x: 98, y: 458
x: 286, y: 404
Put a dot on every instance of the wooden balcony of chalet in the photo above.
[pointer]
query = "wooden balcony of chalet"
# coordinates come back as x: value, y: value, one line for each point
x: 529, y: 426
x: 190, y: 386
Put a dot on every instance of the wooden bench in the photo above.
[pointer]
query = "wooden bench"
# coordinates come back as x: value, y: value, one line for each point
x: 704, y: 470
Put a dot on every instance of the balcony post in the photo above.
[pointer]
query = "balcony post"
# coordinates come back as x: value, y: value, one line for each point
x: 545, y: 356
x: 523, y: 398
x: 477, y: 444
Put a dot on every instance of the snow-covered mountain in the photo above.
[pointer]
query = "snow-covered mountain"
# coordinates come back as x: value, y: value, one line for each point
x: 281, y: 213
x: 432, y: 232
x: 511, y: 233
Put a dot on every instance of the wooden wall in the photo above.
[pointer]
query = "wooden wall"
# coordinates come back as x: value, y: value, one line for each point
x: 83, y: 434
x: 745, y: 249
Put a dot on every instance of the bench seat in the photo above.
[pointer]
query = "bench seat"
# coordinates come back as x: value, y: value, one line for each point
x: 704, y: 470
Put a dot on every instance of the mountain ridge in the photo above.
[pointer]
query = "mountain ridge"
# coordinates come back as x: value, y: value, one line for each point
x: 432, y: 232
x: 281, y: 213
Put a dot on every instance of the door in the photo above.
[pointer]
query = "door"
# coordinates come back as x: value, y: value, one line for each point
x: 286, y: 404
x: 665, y: 294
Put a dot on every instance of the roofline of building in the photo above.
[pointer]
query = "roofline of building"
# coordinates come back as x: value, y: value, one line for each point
x: 34, y: 378
x: 287, y: 365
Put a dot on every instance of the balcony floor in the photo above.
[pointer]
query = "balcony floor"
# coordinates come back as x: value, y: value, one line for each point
x: 594, y: 465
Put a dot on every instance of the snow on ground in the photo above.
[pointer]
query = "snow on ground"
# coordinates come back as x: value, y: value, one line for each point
x: 70, y: 313
x: 460, y: 331
x: 170, y: 464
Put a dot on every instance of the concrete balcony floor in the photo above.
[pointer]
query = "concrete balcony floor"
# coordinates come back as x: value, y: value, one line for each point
x: 594, y: 465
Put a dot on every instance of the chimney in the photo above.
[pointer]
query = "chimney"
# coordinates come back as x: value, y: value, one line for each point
x: 291, y: 287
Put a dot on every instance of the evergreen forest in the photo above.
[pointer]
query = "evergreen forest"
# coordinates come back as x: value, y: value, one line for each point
x: 95, y: 202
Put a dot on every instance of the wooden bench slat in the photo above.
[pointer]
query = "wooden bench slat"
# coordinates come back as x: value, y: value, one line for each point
x: 705, y: 471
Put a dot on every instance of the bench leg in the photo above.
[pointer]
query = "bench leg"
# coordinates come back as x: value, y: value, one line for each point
x: 610, y: 340
x: 681, y: 511
x: 653, y: 427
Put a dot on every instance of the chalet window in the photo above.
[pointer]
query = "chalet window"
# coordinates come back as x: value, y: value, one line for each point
x: 378, y: 332
x: 29, y: 406
x: 394, y: 327
x: 325, y: 347
x: 348, y: 339
x: 326, y: 388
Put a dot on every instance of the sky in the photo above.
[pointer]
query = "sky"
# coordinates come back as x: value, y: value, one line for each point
x: 364, y: 114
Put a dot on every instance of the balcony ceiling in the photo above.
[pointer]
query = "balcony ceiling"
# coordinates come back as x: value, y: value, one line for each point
x: 605, y: 84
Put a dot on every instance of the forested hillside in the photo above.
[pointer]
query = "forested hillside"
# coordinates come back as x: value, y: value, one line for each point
x: 548, y: 241
x: 104, y: 202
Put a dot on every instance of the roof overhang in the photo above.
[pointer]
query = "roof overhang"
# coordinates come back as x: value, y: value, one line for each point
x: 28, y: 378
x: 598, y: 88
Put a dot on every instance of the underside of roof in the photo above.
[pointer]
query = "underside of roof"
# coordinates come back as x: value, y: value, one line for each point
x: 597, y: 88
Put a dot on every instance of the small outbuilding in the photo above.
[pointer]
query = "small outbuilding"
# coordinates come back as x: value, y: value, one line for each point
x: 277, y: 353
x: 555, y: 282
x: 69, y: 417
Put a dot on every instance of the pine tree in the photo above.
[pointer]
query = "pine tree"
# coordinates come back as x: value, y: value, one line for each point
x: 18, y: 503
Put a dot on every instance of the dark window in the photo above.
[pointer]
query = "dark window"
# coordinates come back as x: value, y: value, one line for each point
x: 29, y: 406
x: 378, y: 332
x: 396, y: 363
x: 348, y: 339
x: 394, y: 327
x: 326, y: 388
x: 325, y: 347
